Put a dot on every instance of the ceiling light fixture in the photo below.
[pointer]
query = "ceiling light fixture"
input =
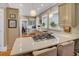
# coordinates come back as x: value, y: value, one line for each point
x: 33, y: 12
x: 50, y: 15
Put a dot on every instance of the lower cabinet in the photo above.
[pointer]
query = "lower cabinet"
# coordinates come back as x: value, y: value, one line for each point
x: 76, y: 46
x: 52, y: 51
x: 66, y: 49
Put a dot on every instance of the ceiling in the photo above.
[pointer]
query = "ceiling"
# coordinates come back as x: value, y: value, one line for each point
x: 25, y: 8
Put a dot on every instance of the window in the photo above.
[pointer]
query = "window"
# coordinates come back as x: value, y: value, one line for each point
x: 54, y: 21
x: 55, y: 18
x: 31, y: 22
x: 45, y: 21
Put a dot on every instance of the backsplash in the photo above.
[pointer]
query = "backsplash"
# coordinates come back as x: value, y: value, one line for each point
x: 75, y: 30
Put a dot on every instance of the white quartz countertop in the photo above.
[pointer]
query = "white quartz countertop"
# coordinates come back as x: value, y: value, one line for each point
x: 25, y: 45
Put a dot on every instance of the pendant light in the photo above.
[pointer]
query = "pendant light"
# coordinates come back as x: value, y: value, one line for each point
x: 33, y: 11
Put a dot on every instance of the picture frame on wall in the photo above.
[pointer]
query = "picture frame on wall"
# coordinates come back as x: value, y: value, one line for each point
x: 12, y: 16
x: 12, y: 23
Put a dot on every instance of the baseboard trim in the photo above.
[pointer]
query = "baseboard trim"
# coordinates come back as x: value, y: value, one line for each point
x: 3, y: 48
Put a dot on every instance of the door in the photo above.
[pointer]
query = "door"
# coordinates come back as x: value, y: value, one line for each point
x: 23, y: 24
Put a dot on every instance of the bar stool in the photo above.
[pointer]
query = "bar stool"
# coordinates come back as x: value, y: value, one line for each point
x: 66, y: 49
x: 46, y: 52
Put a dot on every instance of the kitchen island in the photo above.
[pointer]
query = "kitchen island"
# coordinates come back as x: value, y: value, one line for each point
x: 27, y: 44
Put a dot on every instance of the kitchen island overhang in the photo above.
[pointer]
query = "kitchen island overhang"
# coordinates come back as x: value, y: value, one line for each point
x: 27, y: 44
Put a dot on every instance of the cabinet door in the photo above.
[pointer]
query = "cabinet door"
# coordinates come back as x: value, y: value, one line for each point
x: 77, y: 14
x: 70, y: 15
x: 62, y: 14
x: 67, y: 14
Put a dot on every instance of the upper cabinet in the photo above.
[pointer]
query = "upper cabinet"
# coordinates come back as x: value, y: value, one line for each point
x: 67, y: 15
x: 77, y: 14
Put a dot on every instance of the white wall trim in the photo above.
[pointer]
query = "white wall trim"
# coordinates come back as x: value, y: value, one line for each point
x: 3, y: 48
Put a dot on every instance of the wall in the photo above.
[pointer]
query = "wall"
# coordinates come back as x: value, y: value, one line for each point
x: 75, y: 29
x: 2, y: 31
x: 49, y: 12
x: 3, y: 6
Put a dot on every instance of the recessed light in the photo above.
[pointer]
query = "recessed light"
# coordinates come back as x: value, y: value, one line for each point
x: 21, y: 5
x: 42, y: 5
x: 38, y: 9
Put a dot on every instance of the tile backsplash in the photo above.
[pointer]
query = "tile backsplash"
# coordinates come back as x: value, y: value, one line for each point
x: 75, y: 30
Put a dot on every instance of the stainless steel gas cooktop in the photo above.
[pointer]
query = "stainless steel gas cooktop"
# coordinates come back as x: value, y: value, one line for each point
x: 42, y: 37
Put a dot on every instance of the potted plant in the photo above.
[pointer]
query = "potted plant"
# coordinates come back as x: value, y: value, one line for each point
x: 53, y: 24
x: 43, y: 24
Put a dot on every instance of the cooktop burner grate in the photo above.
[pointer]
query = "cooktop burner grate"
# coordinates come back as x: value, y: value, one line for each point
x: 45, y: 36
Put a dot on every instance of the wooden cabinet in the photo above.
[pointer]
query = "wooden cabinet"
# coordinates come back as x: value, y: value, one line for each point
x: 12, y: 33
x: 67, y: 15
x: 77, y: 14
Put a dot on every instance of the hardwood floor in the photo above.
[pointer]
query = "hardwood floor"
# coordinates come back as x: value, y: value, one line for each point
x: 5, y: 53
